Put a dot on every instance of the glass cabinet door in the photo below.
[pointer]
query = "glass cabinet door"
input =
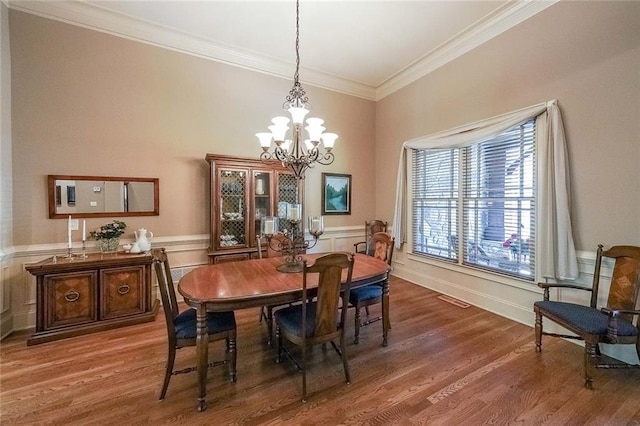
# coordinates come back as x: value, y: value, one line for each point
x: 232, y: 207
x: 288, y: 193
x: 261, y: 197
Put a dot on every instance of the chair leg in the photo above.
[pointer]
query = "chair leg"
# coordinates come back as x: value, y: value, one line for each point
x: 304, y: 372
x: 357, y: 326
x: 538, y: 328
x: 590, y: 350
x: 278, y: 344
x: 343, y: 355
x: 232, y: 356
x: 269, y: 324
x: 171, y: 357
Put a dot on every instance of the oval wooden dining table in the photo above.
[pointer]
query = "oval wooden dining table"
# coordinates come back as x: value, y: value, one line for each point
x: 255, y: 283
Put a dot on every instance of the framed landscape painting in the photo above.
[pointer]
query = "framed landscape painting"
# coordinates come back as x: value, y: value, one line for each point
x: 336, y: 193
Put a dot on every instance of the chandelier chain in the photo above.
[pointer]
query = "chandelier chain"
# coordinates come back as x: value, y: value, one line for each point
x: 297, y: 74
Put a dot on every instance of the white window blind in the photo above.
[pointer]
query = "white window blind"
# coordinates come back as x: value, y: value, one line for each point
x: 496, y: 201
x: 435, y: 202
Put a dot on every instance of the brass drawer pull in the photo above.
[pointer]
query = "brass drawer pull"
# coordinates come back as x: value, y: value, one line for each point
x: 124, y: 289
x: 72, y: 296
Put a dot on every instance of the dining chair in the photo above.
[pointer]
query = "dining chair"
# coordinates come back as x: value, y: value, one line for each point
x: 181, y: 326
x: 370, y: 228
x: 616, y: 323
x: 317, y: 321
x: 270, y: 248
x: 363, y: 297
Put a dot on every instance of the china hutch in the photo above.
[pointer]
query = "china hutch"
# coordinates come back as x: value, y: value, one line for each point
x: 243, y: 191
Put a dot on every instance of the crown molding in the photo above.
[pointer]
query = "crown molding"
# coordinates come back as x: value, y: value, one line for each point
x: 494, y: 24
x: 96, y: 18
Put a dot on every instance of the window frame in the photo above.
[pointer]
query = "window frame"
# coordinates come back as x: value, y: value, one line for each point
x: 520, y: 264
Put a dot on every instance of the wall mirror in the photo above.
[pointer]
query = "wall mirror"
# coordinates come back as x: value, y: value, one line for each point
x: 100, y: 196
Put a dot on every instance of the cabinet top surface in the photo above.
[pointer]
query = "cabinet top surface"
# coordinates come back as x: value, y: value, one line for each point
x: 92, y: 261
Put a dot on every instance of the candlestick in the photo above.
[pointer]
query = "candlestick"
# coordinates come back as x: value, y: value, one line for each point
x: 84, y: 231
x: 69, y: 233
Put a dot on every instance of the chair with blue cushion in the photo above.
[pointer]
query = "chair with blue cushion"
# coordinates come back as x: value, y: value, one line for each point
x: 616, y: 323
x: 363, y: 297
x: 181, y: 326
x: 371, y: 227
x: 319, y: 320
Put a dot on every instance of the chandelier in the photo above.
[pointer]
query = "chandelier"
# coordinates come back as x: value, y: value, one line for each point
x: 294, y: 152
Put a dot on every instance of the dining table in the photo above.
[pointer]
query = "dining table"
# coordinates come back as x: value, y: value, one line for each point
x: 255, y: 283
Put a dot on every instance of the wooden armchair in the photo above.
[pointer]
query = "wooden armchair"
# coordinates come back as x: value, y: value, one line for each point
x: 370, y: 228
x: 617, y: 323
x: 317, y: 321
x: 382, y: 244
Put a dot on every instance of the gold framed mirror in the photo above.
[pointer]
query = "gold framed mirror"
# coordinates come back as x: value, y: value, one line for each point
x: 102, y: 196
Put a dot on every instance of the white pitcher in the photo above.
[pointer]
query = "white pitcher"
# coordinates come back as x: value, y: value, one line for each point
x: 143, y: 239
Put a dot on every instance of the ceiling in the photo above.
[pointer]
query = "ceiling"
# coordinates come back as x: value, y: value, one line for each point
x: 366, y: 48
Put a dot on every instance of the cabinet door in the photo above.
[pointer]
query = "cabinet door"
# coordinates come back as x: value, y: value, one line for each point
x: 262, y: 200
x: 122, y: 291
x: 70, y: 299
x: 289, y: 191
x: 231, y: 207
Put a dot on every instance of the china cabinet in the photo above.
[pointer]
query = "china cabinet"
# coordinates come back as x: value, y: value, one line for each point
x: 82, y: 295
x: 242, y: 192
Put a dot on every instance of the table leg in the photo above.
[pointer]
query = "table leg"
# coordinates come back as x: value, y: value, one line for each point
x: 385, y: 311
x: 202, y: 344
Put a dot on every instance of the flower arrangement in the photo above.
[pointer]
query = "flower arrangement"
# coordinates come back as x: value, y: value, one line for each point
x: 109, y: 231
x: 517, y: 245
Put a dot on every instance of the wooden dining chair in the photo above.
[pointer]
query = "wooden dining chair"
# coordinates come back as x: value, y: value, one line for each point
x: 270, y: 248
x: 370, y: 228
x: 363, y: 297
x: 616, y: 323
x: 317, y: 321
x: 181, y: 326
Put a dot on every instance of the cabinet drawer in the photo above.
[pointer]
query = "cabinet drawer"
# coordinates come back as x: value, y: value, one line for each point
x: 71, y: 299
x: 122, y: 292
x: 231, y: 258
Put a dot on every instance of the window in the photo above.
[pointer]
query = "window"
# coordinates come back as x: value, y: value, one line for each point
x: 476, y: 205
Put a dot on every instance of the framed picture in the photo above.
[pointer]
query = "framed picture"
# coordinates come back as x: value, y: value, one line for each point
x: 336, y: 194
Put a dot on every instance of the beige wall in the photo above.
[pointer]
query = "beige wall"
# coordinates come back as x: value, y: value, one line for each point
x: 6, y: 180
x: 87, y: 103
x: 586, y: 55
x: 5, y: 132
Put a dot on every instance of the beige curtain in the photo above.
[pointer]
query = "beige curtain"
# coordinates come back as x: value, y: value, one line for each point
x: 555, y: 248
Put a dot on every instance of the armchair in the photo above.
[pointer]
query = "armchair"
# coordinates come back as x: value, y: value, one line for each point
x: 370, y: 228
x: 617, y: 323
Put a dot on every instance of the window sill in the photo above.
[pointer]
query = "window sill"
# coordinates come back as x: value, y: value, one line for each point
x: 477, y: 273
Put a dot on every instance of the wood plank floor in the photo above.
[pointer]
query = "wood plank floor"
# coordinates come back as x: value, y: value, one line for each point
x: 444, y: 365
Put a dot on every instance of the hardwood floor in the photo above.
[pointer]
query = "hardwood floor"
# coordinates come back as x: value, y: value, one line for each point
x: 444, y: 365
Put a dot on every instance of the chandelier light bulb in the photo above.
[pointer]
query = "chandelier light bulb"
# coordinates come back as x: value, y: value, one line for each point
x: 278, y: 132
x: 315, y: 121
x: 328, y: 139
x: 308, y: 144
x: 265, y: 139
x: 298, y: 114
x: 315, y: 132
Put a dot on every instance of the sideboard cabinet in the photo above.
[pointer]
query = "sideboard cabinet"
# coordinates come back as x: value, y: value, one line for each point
x: 243, y: 191
x: 100, y: 292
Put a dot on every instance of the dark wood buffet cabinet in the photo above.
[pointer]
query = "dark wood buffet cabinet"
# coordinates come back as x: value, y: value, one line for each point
x: 100, y: 292
x: 243, y: 190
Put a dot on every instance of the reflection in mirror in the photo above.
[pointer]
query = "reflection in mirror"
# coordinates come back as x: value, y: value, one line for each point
x: 96, y: 196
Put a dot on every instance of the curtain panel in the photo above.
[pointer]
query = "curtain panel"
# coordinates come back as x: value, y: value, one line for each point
x: 556, y: 250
